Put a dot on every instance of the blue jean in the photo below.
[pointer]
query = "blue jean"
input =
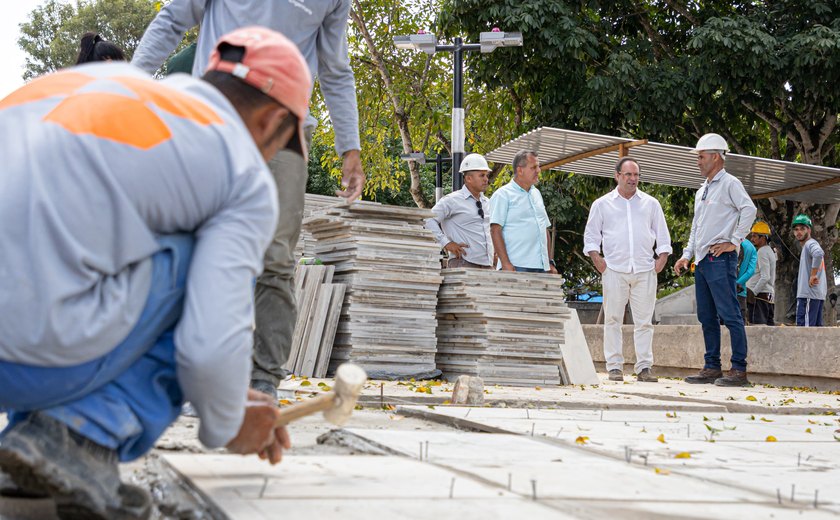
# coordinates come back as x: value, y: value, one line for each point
x: 809, y: 312
x: 714, y: 285
x: 530, y: 269
x: 125, y: 399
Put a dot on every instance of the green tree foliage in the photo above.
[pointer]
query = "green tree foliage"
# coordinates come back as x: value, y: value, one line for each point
x: 51, y: 36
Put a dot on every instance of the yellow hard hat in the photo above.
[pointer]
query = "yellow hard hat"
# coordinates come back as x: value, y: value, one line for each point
x: 760, y: 228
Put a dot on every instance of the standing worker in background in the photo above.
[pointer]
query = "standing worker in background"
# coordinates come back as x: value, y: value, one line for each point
x: 319, y: 29
x: 627, y: 223
x: 723, y: 214
x: 811, y: 284
x: 518, y: 221
x: 125, y: 276
x: 761, y: 286
x: 462, y: 219
x: 746, y: 268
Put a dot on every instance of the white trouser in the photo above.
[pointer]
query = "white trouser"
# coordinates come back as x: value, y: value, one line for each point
x: 640, y: 290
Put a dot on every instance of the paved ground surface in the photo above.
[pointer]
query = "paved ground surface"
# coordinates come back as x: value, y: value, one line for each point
x: 615, y: 422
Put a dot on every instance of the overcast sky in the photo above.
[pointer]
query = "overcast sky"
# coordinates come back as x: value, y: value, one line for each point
x: 11, y: 57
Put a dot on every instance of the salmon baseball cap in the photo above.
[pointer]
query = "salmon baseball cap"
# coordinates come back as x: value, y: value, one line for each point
x: 273, y: 65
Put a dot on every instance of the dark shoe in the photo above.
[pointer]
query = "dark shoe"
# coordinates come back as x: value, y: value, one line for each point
x: 707, y: 376
x: 646, y: 376
x: 735, y: 378
x: 41, y: 453
x: 616, y: 375
x: 9, y: 489
x: 266, y: 387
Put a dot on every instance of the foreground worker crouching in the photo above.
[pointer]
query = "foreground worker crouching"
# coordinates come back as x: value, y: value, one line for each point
x: 136, y: 215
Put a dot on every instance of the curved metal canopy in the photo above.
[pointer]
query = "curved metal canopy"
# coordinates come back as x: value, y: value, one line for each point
x: 595, y: 154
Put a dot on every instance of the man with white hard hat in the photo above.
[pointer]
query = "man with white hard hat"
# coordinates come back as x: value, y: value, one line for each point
x: 723, y: 214
x: 462, y: 219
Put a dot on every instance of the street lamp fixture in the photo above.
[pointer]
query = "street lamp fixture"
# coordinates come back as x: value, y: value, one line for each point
x: 488, y: 42
x: 439, y: 161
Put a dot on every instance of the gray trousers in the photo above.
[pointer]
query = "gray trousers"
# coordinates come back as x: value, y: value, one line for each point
x: 276, y: 309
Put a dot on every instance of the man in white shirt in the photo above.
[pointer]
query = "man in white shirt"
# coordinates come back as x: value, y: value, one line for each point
x: 462, y: 219
x: 630, y: 225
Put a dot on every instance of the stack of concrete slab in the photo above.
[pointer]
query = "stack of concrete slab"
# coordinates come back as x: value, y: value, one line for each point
x: 319, y: 304
x: 314, y: 203
x: 504, y: 327
x: 391, y: 266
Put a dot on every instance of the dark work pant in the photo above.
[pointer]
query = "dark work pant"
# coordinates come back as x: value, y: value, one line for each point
x: 717, y: 300
x: 809, y: 312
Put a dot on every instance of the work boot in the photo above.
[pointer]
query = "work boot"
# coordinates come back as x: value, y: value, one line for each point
x: 9, y: 489
x: 616, y: 375
x: 646, y: 376
x: 735, y: 378
x: 266, y: 387
x: 41, y: 453
x: 707, y: 376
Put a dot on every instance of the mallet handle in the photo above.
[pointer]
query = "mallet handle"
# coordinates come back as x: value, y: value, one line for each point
x: 314, y: 405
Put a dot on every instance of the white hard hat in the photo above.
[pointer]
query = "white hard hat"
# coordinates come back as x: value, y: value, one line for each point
x: 712, y: 143
x: 473, y: 161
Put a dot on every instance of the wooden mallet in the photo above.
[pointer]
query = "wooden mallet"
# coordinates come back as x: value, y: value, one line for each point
x: 337, y: 404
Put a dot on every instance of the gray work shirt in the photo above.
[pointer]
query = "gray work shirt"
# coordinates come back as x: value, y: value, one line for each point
x: 764, y: 278
x: 812, y: 257
x: 723, y: 212
x: 84, y: 196
x: 319, y: 29
x: 457, y: 220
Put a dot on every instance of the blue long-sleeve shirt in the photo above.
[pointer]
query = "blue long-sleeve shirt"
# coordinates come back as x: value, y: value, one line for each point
x: 319, y: 29
x: 747, y: 267
x: 98, y: 161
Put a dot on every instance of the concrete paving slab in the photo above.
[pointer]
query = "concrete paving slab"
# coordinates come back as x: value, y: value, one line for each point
x: 557, y: 472
x: 640, y: 510
x: 345, y: 487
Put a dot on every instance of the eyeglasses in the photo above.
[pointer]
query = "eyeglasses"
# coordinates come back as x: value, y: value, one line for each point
x: 480, y: 209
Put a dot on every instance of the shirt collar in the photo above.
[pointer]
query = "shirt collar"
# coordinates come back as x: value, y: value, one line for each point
x: 616, y: 195
x: 718, y: 176
x: 465, y: 193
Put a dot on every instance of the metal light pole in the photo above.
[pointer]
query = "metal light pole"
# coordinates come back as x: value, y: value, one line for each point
x: 439, y: 160
x: 488, y: 42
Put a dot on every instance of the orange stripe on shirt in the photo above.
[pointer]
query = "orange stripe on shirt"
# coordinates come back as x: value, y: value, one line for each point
x: 171, y: 100
x: 58, y: 84
x: 111, y: 116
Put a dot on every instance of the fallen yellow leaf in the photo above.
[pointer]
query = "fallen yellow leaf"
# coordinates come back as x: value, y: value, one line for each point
x: 751, y: 398
x: 582, y: 440
x: 662, y: 471
x: 808, y: 430
x: 765, y: 419
x: 770, y: 438
x: 813, y: 422
x: 305, y: 383
x: 285, y: 401
x: 661, y: 438
x: 683, y: 455
x: 537, y: 388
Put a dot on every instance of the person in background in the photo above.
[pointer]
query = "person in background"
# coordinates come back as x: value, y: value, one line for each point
x: 462, y: 219
x: 319, y: 29
x: 723, y: 214
x: 761, y: 285
x: 811, y: 285
x: 94, y: 48
x: 627, y: 223
x: 745, y: 270
x: 518, y: 220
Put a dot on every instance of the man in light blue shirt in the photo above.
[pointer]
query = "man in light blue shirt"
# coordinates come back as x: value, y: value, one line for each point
x: 518, y: 221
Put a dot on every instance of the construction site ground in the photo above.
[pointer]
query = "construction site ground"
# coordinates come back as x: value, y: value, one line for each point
x: 627, y: 450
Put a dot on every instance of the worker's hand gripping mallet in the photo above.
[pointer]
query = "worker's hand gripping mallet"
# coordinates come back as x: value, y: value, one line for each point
x: 337, y: 404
